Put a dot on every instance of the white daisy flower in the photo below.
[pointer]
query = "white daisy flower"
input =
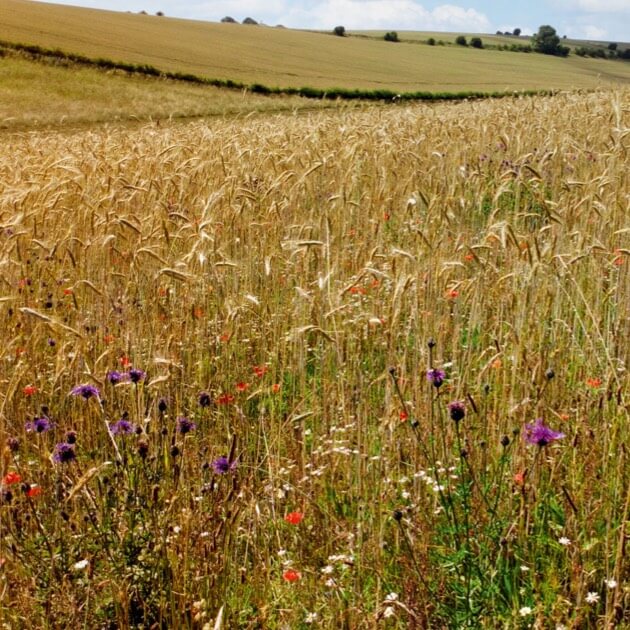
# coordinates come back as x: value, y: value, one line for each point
x: 592, y: 598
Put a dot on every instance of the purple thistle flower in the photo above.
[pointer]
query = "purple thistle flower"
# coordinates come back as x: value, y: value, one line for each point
x: 222, y: 465
x: 136, y: 375
x: 436, y: 377
x: 162, y: 405
x: 122, y: 427
x: 457, y: 410
x: 540, y: 434
x: 64, y: 453
x: 205, y: 400
x: 184, y: 425
x: 86, y: 391
x: 39, y: 425
x: 115, y: 377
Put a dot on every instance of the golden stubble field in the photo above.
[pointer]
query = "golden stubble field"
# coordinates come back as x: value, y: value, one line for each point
x: 214, y: 400
x: 279, y: 57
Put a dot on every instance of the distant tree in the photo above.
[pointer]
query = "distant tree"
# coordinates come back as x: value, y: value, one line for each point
x: 516, y: 32
x: 340, y: 31
x: 508, y: 33
x: 160, y: 14
x: 625, y: 54
x: 498, y: 33
x: 460, y: 40
x: 249, y: 20
x: 142, y: 12
x: 431, y: 41
x: 392, y: 36
x: 476, y: 42
x: 612, y: 46
x: 546, y: 41
x: 228, y: 20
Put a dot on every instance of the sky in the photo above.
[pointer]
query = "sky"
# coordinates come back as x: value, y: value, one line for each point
x: 607, y: 20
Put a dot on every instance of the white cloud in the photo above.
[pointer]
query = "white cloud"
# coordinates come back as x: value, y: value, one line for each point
x: 353, y: 14
x: 593, y: 32
x: 602, y: 6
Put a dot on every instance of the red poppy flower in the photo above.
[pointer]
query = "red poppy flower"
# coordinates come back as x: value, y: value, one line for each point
x: 275, y: 388
x: 403, y: 416
x: 125, y: 361
x: 294, y: 518
x: 225, y: 399
x: 291, y: 575
x: 241, y: 387
x: 11, y: 477
x: 593, y: 382
x: 519, y: 478
x: 260, y: 370
x: 29, y: 390
x: 33, y: 491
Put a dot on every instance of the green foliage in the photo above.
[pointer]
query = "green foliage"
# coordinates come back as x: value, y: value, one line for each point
x: 340, y: 31
x: 547, y: 42
x: 460, y: 40
x: 431, y: 41
x: 392, y: 36
x: 476, y: 42
x: 516, y: 32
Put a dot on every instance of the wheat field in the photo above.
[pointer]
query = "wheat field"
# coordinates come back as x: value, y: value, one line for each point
x: 288, y: 371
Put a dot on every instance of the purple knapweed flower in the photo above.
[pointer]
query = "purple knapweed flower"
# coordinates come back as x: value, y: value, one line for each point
x: 64, y: 453
x: 222, y: 465
x: 39, y: 425
x: 86, y: 391
x: 122, y: 427
x: 136, y: 375
x: 457, y: 410
x: 115, y: 377
x: 436, y: 377
x: 184, y: 425
x: 205, y: 400
x: 540, y: 434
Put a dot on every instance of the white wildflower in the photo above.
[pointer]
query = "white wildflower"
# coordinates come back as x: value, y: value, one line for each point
x: 389, y: 612
x: 524, y: 568
x: 391, y: 597
x: 611, y: 583
x: 524, y: 611
x: 80, y: 565
x: 564, y: 541
x: 310, y: 617
x: 328, y: 569
x: 592, y: 598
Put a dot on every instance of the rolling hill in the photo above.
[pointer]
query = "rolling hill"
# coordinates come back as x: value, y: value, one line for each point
x: 290, y: 58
